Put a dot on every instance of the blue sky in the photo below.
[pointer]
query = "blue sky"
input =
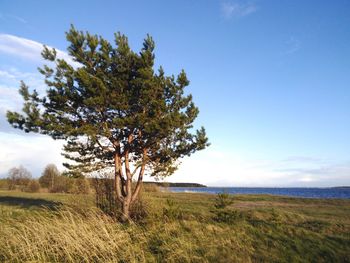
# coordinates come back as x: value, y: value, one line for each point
x: 271, y: 79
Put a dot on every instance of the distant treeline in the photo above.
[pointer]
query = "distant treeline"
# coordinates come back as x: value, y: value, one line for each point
x: 165, y: 184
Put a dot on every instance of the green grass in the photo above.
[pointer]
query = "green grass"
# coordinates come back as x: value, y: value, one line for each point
x: 180, y: 227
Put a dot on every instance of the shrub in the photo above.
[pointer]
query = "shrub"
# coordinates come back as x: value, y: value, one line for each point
x: 4, y: 184
x: 32, y: 187
x: 139, y: 210
x: 80, y: 186
x: 150, y: 188
x: 172, y: 211
x: 105, y: 196
x: 227, y: 216
x: 222, y: 213
x: 63, y: 184
x: 223, y: 200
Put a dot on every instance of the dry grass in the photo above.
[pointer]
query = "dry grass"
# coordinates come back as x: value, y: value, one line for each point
x: 261, y: 229
x: 67, y: 236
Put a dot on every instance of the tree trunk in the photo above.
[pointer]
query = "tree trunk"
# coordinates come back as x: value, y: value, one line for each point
x: 126, y: 211
x: 123, y: 185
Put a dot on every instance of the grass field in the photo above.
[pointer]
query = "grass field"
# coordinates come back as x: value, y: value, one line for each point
x: 179, y: 227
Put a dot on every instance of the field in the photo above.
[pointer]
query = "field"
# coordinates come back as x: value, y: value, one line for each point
x: 174, y: 227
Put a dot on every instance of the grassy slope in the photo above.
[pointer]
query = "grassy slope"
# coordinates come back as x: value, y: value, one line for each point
x: 265, y: 229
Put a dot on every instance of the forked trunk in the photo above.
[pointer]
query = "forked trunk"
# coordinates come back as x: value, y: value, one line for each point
x: 123, y: 185
x: 126, y: 211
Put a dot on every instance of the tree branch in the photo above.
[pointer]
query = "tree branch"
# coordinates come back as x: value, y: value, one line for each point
x: 117, y: 179
x: 139, y: 179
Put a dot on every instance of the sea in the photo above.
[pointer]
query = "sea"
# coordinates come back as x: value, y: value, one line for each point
x: 334, y: 192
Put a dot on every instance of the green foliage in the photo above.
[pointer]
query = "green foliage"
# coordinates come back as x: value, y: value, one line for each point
x: 114, y: 109
x: 172, y: 211
x: 227, y: 216
x: 57, y: 183
x: 113, y: 103
x: 223, y: 200
x: 222, y: 211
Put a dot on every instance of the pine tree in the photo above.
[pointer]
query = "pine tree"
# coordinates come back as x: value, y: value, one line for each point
x: 113, y: 110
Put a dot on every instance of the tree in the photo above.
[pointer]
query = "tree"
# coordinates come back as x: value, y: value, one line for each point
x: 33, y: 186
x: 113, y: 110
x: 49, y: 176
x: 18, y: 176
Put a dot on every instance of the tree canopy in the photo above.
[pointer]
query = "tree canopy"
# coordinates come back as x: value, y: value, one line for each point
x: 113, y: 110
x: 18, y: 176
x: 49, y: 176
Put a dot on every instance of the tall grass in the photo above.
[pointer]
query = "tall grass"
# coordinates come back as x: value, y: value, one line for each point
x: 70, y: 237
x: 90, y: 236
x: 177, y: 228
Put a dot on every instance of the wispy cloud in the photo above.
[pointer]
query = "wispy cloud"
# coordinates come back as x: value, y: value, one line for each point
x: 236, y: 10
x: 10, y: 18
x: 19, y: 19
x: 304, y: 159
x: 293, y: 45
x: 28, y: 49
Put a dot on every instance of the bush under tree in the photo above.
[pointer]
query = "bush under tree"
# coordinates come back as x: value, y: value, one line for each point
x: 33, y: 186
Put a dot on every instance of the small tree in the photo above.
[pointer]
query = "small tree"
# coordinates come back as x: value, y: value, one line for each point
x: 81, y: 186
x: 33, y: 186
x: 113, y: 110
x: 63, y: 184
x: 223, y: 200
x: 18, y: 177
x: 49, y: 176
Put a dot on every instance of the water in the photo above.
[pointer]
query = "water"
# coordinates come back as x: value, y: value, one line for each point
x: 342, y: 193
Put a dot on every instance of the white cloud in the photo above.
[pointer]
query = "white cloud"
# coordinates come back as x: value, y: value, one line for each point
x: 215, y: 167
x: 322, y: 175
x: 33, y: 152
x: 28, y: 49
x: 9, y: 84
x: 219, y: 168
x: 234, y: 9
x: 9, y: 98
